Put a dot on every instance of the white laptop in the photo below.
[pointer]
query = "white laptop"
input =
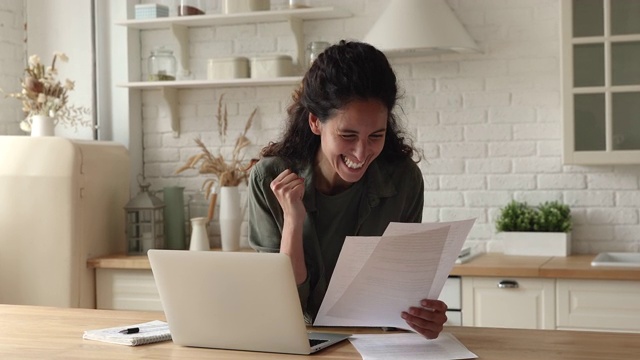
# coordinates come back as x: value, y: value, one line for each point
x: 234, y: 300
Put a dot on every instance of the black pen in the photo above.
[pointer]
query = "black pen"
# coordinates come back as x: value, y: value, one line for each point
x: 130, y: 331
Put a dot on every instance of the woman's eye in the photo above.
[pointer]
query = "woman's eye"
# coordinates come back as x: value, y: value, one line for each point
x: 348, y: 137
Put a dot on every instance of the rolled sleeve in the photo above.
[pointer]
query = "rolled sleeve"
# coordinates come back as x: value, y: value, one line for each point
x: 265, y: 215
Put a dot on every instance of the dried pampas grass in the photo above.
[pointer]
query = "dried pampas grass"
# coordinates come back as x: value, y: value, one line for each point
x: 225, y: 173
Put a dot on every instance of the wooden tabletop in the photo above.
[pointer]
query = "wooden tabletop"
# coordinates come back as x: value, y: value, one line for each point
x: 31, y: 332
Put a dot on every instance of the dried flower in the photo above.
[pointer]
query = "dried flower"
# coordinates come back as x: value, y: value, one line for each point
x: 43, y: 94
x: 225, y: 173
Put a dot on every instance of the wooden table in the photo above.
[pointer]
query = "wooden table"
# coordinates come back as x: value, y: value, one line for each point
x: 31, y: 332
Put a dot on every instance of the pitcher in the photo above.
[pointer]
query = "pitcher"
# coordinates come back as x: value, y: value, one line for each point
x: 199, y: 238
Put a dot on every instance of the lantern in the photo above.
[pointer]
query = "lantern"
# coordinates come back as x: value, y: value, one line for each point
x: 144, y: 222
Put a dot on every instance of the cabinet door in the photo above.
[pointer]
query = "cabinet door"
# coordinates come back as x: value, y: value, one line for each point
x: 126, y: 289
x: 601, y: 81
x: 508, y: 302
x: 598, y: 305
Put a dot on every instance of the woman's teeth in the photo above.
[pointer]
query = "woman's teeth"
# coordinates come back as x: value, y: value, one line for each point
x: 352, y: 164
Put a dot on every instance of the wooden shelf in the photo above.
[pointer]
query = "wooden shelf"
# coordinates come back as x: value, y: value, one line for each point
x: 169, y: 90
x: 178, y: 27
x: 195, y: 84
x: 238, y: 18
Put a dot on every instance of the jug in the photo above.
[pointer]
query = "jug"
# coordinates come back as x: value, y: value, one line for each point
x: 199, y: 237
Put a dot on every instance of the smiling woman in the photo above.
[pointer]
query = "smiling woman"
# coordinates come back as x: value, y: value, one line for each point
x: 342, y: 168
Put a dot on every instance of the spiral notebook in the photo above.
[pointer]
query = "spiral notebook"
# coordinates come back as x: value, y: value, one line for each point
x: 149, y: 332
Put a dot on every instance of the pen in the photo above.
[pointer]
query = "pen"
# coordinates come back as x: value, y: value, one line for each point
x: 129, y: 330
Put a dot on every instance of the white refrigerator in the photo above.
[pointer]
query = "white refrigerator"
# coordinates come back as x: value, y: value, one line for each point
x: 61, y: 203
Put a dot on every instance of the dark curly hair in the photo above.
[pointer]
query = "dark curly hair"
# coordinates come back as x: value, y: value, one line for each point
x: 344, y: 72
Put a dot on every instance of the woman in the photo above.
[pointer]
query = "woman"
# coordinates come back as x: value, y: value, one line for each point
x: 341, y: 169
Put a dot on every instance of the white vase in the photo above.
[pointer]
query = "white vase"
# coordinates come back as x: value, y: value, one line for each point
x: 536, y: 243
x: 42, y: 126
x: 199, y: 238
x: 231, y: 216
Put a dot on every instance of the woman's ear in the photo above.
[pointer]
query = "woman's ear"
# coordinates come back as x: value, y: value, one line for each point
x: 314, y: 124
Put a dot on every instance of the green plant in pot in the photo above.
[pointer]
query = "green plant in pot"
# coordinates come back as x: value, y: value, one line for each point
x: 542, y: 230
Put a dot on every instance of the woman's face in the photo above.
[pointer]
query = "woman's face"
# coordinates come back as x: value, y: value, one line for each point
x: 349, y: 142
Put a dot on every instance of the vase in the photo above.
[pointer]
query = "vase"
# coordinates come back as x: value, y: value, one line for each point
x: 199, y: 238
x: 42, y: 126
x: 231, y: 216
x: 536, y: 243
x: 174, y: 218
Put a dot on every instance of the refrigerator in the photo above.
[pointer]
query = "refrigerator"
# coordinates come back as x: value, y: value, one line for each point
x: 61, y: 203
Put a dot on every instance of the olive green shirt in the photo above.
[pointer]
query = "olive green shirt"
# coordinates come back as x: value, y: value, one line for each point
x: 388, y: 192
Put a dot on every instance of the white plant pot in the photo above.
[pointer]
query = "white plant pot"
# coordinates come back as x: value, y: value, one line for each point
x: 536, y: 243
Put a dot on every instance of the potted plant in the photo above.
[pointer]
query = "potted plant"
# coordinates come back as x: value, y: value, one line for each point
x: 45, y: 99
x: 225, y: 175
x: 543, y: 230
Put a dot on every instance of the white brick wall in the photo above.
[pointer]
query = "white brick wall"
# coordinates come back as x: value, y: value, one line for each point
x: 12, y: 60
x: 489, y: 123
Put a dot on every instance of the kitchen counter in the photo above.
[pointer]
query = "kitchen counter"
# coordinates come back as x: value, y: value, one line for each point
x: 570, y: 267
x: 489, y: 264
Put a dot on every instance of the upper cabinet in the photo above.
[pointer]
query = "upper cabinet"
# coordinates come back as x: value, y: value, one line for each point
x: 601, y: 81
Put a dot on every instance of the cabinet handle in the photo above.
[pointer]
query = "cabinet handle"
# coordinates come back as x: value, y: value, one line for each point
x: 508, y: 284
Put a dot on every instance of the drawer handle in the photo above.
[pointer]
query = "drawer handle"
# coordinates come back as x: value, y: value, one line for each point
x: 508, y: 284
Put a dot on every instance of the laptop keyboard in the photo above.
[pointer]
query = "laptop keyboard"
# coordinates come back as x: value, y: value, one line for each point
x: 314, y: 342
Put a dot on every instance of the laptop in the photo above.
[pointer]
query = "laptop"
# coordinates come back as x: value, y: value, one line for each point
x: 234, y: 300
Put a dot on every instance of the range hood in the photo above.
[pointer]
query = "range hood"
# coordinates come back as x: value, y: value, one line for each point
x: 419, y: 27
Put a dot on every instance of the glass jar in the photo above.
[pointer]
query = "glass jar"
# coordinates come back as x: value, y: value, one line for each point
x: 314, y: 49
x: 162, y: 65
x: 190, y: 7
x: 298, y: 4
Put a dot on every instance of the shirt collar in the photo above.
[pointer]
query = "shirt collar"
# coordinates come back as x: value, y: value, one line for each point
x: 375, y: 185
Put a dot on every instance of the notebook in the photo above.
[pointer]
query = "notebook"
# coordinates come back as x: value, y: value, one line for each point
x: 234, y: 300
x: 147, y: 333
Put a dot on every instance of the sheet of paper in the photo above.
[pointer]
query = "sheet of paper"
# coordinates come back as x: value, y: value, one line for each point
x: 409, y: 346
x: 452, y: 247
x: 376, y: 278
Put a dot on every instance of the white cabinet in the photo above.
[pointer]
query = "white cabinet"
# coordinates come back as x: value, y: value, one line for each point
x: 451, y: 295
x: 508, y: 302
x: 601, y: 81
x: 126, y: 289
x: 598, y: 305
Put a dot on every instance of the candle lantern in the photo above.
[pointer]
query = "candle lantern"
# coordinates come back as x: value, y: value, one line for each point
x: 144, y: 222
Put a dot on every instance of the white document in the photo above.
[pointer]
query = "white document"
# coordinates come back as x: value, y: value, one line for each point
x: 409, y: 346
x: 376, y: 278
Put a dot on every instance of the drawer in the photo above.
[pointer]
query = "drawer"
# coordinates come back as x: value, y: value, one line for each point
x: 126, y: 289
x: 451, y: 293
x: 454, y: 318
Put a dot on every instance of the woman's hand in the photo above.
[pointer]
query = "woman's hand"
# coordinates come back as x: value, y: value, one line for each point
x: 428, y: 319
x: 288, y: 188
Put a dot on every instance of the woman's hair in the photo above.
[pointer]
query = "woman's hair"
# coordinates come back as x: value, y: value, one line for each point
x: 343, y: 73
